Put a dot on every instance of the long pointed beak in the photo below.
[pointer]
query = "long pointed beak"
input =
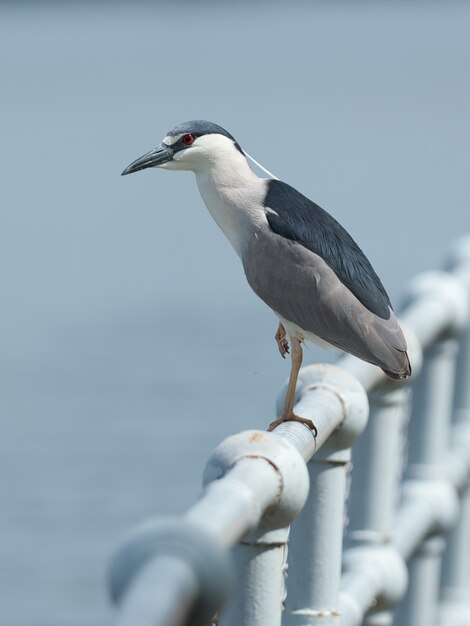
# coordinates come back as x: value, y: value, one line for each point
x: 155, y: 157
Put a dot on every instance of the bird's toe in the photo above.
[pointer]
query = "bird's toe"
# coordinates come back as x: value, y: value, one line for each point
x: 293, y: 418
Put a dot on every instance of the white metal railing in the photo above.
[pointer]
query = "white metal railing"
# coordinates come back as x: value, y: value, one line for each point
x: 263, y: 489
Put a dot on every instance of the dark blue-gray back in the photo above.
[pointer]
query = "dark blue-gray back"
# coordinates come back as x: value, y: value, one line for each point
x: 301, y: 220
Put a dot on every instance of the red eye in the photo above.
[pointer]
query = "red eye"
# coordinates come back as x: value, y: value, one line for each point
x: 188, y: 139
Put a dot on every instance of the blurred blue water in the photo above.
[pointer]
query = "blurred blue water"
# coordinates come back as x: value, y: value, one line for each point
x: 130, y: 342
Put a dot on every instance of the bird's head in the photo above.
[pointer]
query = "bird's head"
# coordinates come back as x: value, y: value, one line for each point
x: 192, y: 146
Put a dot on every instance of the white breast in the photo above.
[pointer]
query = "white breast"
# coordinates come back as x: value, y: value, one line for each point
x: 235, y: 201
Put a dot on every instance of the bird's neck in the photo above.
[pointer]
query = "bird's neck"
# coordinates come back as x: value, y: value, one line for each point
x: 233, y: 194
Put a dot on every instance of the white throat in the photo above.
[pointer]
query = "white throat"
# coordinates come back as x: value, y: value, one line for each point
x: 232, y: 192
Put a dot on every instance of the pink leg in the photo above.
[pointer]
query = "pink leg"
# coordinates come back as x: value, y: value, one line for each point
x: 288, y: 414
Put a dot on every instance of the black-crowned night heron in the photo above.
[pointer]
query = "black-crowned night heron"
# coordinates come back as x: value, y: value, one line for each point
x: 296, y: 257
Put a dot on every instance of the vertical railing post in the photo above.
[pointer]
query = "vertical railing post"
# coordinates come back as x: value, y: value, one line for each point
x: 455, y: 610
x: 428, y: 446
x: 459, y: 263
x: 258, y: 592
x: 259, y: 555
x: 376, y: 472
x: 315, y: 545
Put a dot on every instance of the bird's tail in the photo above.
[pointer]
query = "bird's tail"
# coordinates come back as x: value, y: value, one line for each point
x: 403, y: 372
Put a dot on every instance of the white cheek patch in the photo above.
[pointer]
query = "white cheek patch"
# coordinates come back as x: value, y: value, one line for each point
x: 169, y: 141
x: 214, y: 141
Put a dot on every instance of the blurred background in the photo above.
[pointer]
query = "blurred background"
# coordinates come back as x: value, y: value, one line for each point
x: 130, y: 341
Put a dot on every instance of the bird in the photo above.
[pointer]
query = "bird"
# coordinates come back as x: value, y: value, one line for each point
x: 296, y: 257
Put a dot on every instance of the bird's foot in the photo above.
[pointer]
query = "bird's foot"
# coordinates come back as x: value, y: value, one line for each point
x: 281, y: 339
x: 293, y: 418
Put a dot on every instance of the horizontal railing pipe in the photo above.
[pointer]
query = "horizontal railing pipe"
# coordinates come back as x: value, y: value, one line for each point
x: 177, y: 587
x: 181, y: 559
x: 370, y: 573
x: 233, y: 506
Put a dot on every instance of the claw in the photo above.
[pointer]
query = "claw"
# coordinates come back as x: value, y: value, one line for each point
x: 282, y: 342
x: 294, y: 418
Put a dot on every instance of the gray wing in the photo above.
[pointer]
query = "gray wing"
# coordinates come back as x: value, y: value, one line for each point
x: 298, y: 285
x: 295, y: 217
